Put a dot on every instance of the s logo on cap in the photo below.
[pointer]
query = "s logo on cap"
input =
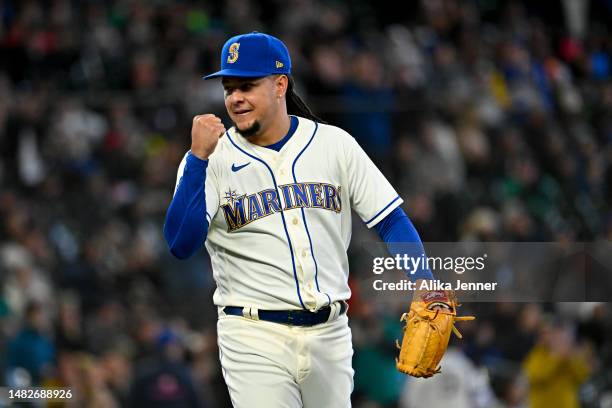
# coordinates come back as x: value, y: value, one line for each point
x: 233, y: 53
x: 260, y: 55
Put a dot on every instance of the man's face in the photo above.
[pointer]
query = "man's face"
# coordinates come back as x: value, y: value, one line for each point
x: 251, y: 102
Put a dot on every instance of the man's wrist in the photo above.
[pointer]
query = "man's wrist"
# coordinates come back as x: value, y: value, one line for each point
x: 421, y: 294
x: 195, y: 160
x: 200, y: 155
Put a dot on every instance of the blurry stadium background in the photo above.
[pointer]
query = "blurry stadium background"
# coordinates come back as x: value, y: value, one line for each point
x: 493, y: 118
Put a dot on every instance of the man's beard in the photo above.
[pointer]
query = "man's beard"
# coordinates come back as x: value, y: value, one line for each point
x: 251, y: 130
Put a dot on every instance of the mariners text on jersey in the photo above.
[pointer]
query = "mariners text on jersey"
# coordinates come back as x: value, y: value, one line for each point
x: 244, y: 209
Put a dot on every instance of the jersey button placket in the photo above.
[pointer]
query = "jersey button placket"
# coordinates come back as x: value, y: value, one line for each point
x: 303, y: 259
x: 298, y: 237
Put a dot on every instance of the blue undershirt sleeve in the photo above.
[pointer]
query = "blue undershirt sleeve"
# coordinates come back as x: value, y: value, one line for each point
x: 186, y: 227
x: 401, y: 238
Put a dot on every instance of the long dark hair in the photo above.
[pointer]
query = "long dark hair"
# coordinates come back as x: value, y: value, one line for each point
x: 296, y: 106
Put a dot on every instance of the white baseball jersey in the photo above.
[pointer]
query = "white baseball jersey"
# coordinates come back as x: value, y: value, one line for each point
x: 280, y: 222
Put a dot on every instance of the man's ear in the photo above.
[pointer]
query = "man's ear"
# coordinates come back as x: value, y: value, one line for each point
x: 281, y: 84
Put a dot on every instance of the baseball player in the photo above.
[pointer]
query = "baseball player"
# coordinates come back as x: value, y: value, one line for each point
x: 271, y: 199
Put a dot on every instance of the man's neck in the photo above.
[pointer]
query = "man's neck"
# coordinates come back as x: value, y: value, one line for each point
x: 275, y: 132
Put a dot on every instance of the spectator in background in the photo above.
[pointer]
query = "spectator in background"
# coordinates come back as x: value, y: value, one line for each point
x: 32, y: 348
x: 556, y: 367
x: 164, y: 379
x: 368, y: 98
x: 69, y: 328
x: 461, y: 384
x: 117, y: 367
x: 377, y: 380
x: 24, y: 283
x: 90, y: 387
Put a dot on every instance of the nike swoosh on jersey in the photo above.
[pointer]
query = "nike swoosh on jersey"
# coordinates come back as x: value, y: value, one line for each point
x: 236, y: 168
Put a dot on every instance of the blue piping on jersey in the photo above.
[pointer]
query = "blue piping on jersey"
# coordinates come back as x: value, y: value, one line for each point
x: 381, y: 211
x: 304, y: 213
x: 281, y: 143
x: 281, y: 213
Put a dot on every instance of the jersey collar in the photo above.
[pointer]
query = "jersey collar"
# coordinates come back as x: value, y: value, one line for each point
x: 288, y: 152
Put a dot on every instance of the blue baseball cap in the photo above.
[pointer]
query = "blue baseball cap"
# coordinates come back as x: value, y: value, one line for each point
x: 253, y: 55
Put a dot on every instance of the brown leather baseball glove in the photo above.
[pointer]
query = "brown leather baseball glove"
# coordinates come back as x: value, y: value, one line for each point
x: 427, y: 332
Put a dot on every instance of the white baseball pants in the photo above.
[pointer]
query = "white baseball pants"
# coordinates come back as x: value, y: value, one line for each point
x: 271, y: 365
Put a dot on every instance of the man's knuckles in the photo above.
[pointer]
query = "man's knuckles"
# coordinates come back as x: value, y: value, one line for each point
x: 208, y: 118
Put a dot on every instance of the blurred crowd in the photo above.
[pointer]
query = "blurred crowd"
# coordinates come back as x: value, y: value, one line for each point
x: 493, y: 119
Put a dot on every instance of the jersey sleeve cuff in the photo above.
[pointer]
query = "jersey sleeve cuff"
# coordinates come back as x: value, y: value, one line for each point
x: 195, y: 162
x: 386, y: 210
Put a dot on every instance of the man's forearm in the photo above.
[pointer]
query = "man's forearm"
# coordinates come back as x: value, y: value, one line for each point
x: 402, y: 238
x: 185, y: 227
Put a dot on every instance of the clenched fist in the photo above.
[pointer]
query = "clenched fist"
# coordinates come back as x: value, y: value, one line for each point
x: 205, y: 133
